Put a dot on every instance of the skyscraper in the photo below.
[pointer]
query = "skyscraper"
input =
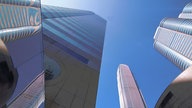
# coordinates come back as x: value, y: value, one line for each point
x: 20, y: 30
x: 73, y: 43
x: 68, y: 48
x: 129, y: 93
x: 173, y: 39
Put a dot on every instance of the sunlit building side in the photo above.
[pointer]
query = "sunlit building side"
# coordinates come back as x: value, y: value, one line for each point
x: 173, y: 39
x: 129, y: 93
x: 67, y: 49
x: 32, y: 96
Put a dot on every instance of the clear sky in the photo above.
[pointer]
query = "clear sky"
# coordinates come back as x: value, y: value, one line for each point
x: 131, y: 25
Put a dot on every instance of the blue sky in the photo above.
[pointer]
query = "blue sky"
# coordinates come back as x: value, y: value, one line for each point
x: 131, y: 25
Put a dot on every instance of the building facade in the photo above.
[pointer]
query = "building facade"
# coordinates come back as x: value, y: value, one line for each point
x: 20, y: 31
x: 73, y: 44
x: 64, y: 44
x: 173, y: 39
x: 129, y: 93
x: 177, y: 94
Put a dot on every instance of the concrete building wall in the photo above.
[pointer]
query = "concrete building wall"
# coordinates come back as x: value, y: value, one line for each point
x: 177, y: 94
x: 173, y: 38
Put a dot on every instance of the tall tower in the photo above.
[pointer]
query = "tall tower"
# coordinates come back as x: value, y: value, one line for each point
x: 20, y: 30
x: 173, y: 39
x: 73, y: 45
x: 69, y: 44
x: 129, y: 93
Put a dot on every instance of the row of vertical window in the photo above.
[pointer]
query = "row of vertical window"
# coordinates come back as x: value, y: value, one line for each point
x: 76, y: 23
x: 72, y: 34
x: 83, y: 27
x: 186, y: 15
x: 31, y: 96
x: 179, y: 42
x: 81, y: 31
x: 182, y: 62
x: 164, y: 35
x: 77, y: 28
x: 188, y: 8
x: 183, y: 44
x: 177, y: 24
x: 14, y: 16
x: 17, y: 33
x: 57, y: 31
x: 85, y: 22
x: 55, y: 12
x: 33, y: 3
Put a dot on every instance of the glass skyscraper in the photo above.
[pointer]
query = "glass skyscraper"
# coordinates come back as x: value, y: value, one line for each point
x: 64, y: 45
x: 129, y: 93
x: 173, y: 39
x: 20, y: 30
x: 73, y: 44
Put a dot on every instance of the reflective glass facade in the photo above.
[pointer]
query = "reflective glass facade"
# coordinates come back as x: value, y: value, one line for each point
x: 66, y: 44
x: 20, y: 30
x: 187, y: 12
x: 19, y: 19
x: 73, y: 41
x: 75, y: 30
x: 32, y: 96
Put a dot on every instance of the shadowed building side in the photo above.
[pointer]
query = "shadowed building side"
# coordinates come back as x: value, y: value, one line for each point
x: 73, y: 45
x: 20, y: 30
x: 8, y: 75
x: 32, y: 96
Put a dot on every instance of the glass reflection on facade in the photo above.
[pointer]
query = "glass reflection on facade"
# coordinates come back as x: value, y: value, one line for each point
x: 73, y: 41
x: 20, y: 30
x: 19, y: 19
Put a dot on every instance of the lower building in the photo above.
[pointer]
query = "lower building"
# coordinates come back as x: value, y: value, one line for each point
x: 178, y: 93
